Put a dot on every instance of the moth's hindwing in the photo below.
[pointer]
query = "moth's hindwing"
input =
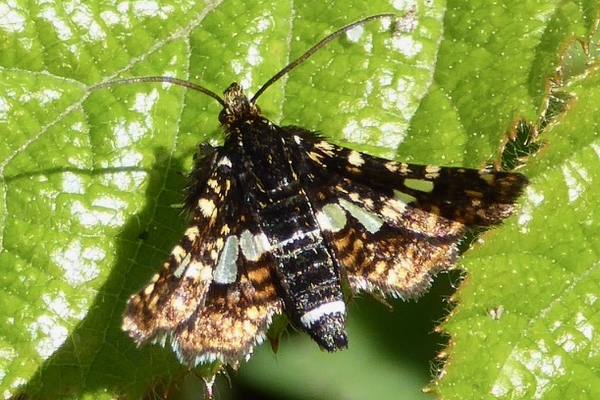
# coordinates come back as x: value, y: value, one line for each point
x: 214, y: 297
x: 380, y: 252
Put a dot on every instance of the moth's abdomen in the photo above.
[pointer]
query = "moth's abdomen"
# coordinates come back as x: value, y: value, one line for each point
x: 309, y: 278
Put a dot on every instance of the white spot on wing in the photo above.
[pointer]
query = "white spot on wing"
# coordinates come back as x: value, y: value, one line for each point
x: 404, y: 198
x: 206, y: 206
x: 182, y: 265
x: 314, y: 315
x: 392, y: 166
x: 262, y: 242
x: 197, y: 271
x: 420, y: 185
x: 253, y: 246
x: 325, y: 147
x: 331, y: 218
x: 192, y: 233
x: 226, y: 269
x: 179, y: 253
x: 370, y: 221
x: 394, y: 209
x: 432, y: 171
x: 355, y: 158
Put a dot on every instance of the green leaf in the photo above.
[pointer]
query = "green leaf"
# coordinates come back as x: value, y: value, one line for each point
x: 528, y: 312
x: 89, y: 180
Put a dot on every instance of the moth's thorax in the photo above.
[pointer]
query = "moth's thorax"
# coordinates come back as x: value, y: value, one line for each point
x: 255, y: 143
x: 237, y: 107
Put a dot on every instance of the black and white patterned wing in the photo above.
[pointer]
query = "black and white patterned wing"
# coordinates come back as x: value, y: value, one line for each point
x: 397, y: 252
x: 393, y: 226
x: 471, y: 197
x: 214, y: 297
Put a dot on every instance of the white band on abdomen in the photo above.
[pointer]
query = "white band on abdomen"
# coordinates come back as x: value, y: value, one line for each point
x: 314, y: 315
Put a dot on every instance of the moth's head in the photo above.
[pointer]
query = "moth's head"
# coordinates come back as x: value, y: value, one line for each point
x: 237, y: 107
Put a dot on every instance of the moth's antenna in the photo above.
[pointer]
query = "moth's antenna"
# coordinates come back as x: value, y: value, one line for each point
x: 288, y: 68
x: 316, y: 48
x: 162, y: 79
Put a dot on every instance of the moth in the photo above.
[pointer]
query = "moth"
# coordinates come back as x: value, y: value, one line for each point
x: 282, y: 221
